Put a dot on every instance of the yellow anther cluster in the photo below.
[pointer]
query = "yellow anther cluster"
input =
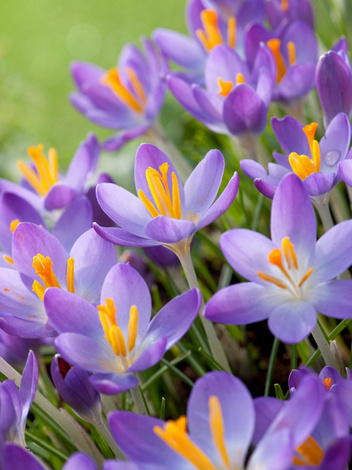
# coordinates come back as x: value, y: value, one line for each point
x: 43, y: 267
x: 46, y: 172
x: 133, y: 95
x: 211, y: 35
x: 165, y: 201
x: 113, y: 333
x: 302, y: 165
x: 309, y: 453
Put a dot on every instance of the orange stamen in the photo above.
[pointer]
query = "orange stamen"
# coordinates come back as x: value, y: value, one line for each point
x: 13, y: 225
x: 113, y: 80
x: 274, y: 46
x: 225, y: 87
x: 327, y: 383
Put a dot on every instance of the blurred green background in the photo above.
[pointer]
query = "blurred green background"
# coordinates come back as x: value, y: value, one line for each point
x: 40, y: 38
x: 38, y: 41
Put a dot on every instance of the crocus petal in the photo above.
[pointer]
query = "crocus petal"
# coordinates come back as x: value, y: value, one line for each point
x: 333, y: 298
x: 244, y: 111
x: 337, y: 456
x: 69, y: 313
x: 168, y: 230
x: 319, y: 183
x: 274, y: 452
x: 80, y: 460
x: 126, y: 287
x: 253, y: 169
x: 26, y: 329
x: 15, y: 455
x: 135, y: 436
x: 222, y: 203
x: 120, y: 139
x: 290, y: 135
x: 297, y: 82
x: 266, y: 410
x: 83, y: 72
x: 150, y: 356
x: 110, y: 384
x: 122, y: 237
x: 76, y: 219
x: 267, y: 189
x: 175, y: 318
x: 335, y: 144
x: 28, y: 388
x: 84, y: 163
x: 123, y: 207
x: 237, y: 412
x: 239, y: 304
x: 93, y: 258
x: 345, y: 171
x: 292, y: 215
x: 333, y: 252
x: 212, y: 105
x: 247, y: 252
x: 60, y: 196
x: 293, y: 321
x: 28, y: 241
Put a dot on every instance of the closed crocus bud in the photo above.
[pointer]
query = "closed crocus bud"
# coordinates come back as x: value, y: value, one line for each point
x: 334, y: 84
x: 74, y: 387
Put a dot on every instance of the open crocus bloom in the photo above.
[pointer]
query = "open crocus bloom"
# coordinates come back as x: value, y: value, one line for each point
x: 165, y: 213
x: 316, y: 163
x: 116, y: 338
x: 291, y: 274
x: 220, y: 422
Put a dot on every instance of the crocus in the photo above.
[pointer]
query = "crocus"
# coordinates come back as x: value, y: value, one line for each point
x: 210, y: 23
x: 281, y: 12
x: 40, y: 261
x: 117, y: 338
x: 316, y: 163
x: 127, y: 98
x: 236, y: 98
x: 291, y: 275
x: 220, y: 421
x: 334, y: 84
x: 165, y: 213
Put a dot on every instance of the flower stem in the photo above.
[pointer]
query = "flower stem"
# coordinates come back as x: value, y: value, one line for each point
x: 325, y: 215
x: 184, y: 255
x: 138, y: 401
x: 157, y: 136
x: 324, y: 345
x: 272, y: 361
x: 104, y: 431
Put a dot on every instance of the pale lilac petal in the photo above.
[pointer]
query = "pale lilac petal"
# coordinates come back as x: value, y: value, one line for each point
x: 150, y: 356
x: 297, y: 82
x: 345, y: 171
x: 223, y: 62
x: 253, y: 169
x: 293, y: 216
x: 247, y: 252
x: 69, y: 313
x: 85, y: 352
x: 319, y: 183
x: 335, y: 144
x: 274, y: 452
x: 168, y: 230
x: 212, y: 104
x: 337, y: 456
x: 28, y: 241
x: 175, y: 318
x: 15, y: 455
x: 333, y: 252
x: 290, y: 135
x: 237, y: 411
x: 120, y: 139
x: 76, y: 219
x: 203, y: 184
x: 122, y: 237
x: 83, y: 72
x: 93, y: 258
x: 83, y: 164
x: 113, y: 383
x: 80, y: 460
x: 266, y: 410
x: 333, y: 298
x: 26, y: 329
x: 123, y: 207
x: 28, y: 387
x: 60, y: 196
x: 292, y: 321
x: 240, y: 304
x: 222, y: 203
x: 126, y: 287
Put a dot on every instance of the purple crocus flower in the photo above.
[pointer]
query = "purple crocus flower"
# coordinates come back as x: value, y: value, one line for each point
x: 295, y: 50
x: 328, y: 445
x: 126, y: 98
x: 15, y: 404
x: 40, y: 261
x: 220, y: 421
x: 280, y: 12
x: 210, y: 23
x: 317, y: 164
x: 334, y: 83
x: 291, y: 274
x: 117, y: 338
x: 165, y: 213
x: 48, y: 199
x: 236, y: 98
x: 74, y: 387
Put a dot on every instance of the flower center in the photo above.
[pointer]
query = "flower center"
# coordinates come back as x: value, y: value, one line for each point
x: 226, y: 87
x: 43, y: 267
x: 46, y: 172
x: 291, y: 280
x: 174, y: 434
x: 327, y: 383
x: 274, y: 45
x: 165, y: 201
x: 309, y: 453
x: 302, y: 165
x: 113, y: 333
x: 131, y: 94
x: 210, y: 36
